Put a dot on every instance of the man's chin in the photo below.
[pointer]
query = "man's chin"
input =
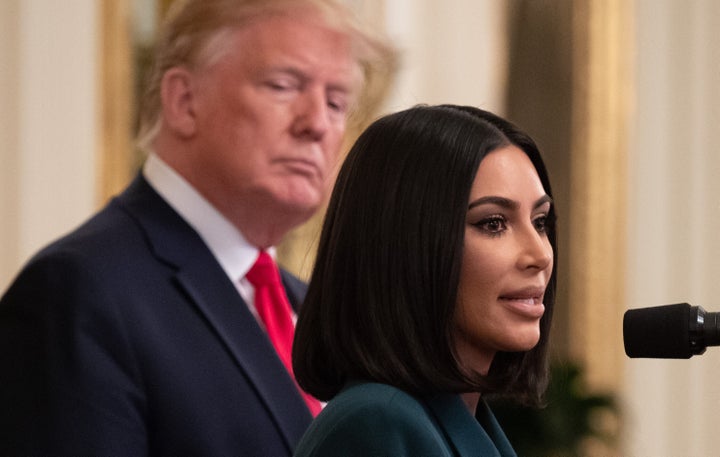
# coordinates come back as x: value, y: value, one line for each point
x: 303, y: 199
x: 300, y: 207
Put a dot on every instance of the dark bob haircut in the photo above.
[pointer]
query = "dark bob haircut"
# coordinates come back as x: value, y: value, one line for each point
x: 383, y: 291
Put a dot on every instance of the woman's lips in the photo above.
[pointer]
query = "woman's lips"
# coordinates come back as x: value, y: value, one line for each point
x: 526, y: 302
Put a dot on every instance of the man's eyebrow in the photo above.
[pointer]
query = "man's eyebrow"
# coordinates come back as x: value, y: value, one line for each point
x: 506, y: 202
x: 302, y: 76
x: 288, y: 70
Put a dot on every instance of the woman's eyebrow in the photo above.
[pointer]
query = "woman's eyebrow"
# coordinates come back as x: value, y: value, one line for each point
x: 542, y: 200
x: 491, y: 199
x: 506, y: 202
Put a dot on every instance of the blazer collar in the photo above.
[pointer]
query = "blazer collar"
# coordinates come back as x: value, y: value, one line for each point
x: 202, y: 279
x: 464, y: 432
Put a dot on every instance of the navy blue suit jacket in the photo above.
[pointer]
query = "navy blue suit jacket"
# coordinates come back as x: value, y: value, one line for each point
x: 371, y: 419
x: 126, y: 338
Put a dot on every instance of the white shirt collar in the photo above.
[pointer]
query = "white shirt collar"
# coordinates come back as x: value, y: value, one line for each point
x: 232, y: 251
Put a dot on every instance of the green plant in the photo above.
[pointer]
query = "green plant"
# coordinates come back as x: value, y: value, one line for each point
x: 571, y: 418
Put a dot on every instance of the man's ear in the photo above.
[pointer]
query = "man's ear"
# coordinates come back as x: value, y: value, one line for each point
x: 176, y: 91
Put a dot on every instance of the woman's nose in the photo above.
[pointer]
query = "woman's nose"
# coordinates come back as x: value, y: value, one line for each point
x: 536, y: 251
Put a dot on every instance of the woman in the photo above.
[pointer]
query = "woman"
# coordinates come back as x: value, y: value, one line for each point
x: 433, y: 286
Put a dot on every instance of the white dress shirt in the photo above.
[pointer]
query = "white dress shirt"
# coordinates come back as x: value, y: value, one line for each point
x: 227, y: 244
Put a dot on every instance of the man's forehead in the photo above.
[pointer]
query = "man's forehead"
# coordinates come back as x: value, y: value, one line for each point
x: 307, y: 48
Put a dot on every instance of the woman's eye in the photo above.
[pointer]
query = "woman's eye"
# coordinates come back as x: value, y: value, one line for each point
x: 540, y: 223
x: 493, y: 225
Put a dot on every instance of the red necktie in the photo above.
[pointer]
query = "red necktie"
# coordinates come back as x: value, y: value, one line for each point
x: 274, y: 309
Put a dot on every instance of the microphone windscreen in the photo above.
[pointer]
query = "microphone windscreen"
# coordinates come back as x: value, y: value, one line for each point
x: 658, y: 332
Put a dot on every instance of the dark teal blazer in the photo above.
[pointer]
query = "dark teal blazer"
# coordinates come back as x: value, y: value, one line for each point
x: 371, y: 419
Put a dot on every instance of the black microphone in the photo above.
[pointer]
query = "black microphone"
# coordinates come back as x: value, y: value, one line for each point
x: 670, y: 331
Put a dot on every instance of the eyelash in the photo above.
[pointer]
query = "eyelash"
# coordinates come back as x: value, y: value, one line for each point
x: 334, y: 105
x: 540, y: 223
x: 496, y: 221
x: 337, y: 106
x: 500, y: 224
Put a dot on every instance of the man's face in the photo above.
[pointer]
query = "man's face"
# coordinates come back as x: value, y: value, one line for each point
x: 271, y: 113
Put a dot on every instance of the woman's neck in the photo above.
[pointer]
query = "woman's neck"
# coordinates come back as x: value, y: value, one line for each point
x: 471, y: 400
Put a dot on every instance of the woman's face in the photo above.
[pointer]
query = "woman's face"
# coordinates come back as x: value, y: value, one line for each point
x: 507, y: 260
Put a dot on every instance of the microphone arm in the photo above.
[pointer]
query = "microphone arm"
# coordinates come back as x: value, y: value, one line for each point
x: 670, y: 331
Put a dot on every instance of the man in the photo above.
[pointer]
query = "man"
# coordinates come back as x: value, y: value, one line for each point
x: 139, y: 333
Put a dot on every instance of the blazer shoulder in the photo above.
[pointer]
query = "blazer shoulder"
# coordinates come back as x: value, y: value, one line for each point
x: 374, y: 419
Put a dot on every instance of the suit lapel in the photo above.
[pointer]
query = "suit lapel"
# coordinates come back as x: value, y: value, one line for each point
x: 464, y: 433
x: 202, y: 279
x: 294, y: 288
x: 233, y: 323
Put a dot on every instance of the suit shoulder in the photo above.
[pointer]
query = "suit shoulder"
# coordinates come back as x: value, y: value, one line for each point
x: 110, y: 228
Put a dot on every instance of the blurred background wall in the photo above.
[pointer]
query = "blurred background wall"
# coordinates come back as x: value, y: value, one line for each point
x: 49, y: 93
x: 622, y: 96
x: 673, y: 407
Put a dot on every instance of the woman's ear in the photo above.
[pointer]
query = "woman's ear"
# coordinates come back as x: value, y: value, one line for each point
x: 176, y: 91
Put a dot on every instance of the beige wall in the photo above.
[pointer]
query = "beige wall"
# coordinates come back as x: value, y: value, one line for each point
x: 453, y: 52
x: 673, y: 407
x: 9, y: 204
x: 48, y: 113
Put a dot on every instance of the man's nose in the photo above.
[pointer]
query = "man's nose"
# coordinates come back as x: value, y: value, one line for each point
x: 312, y: 115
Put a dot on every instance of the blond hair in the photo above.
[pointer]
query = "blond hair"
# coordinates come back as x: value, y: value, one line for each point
x: 194, y: 30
